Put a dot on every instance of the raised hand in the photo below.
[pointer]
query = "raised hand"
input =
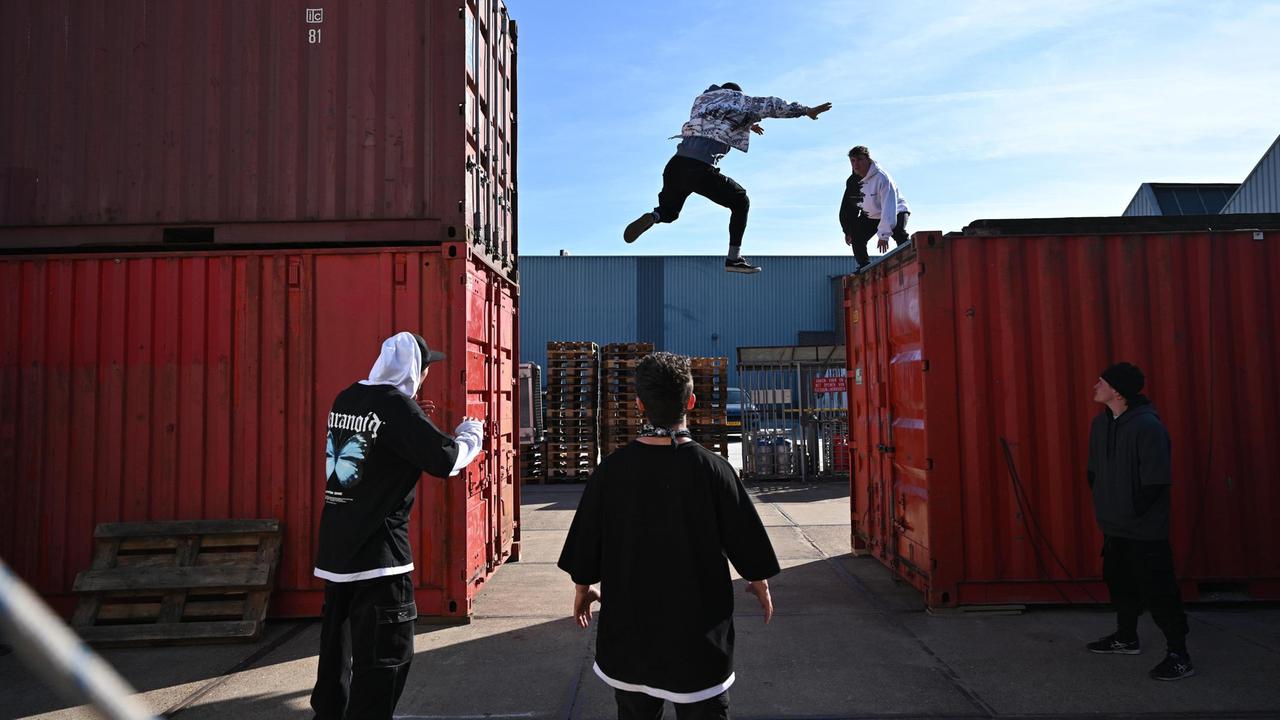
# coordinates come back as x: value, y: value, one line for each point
x: 814, y: 112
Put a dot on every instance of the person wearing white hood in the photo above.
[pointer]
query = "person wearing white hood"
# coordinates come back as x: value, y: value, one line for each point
x: 379, y: 443
x: 884, y: 211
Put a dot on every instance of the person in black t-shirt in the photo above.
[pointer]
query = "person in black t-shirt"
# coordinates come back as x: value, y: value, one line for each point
x: 378, y: 445
x: 657, y: 526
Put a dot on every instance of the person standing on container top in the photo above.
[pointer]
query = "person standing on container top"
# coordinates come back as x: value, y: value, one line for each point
x: 722, y: 118
x: 657, y: 526
x: 884, y: 211
x: 379, y: 443
x: 1130, y: 476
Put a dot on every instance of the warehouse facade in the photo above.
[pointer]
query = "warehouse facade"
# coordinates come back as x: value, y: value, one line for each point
x: 688, y: 304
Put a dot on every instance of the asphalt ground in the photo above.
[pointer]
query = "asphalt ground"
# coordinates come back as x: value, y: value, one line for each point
x: 847, y: 642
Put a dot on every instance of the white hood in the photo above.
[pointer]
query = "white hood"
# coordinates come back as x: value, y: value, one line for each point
x: 399, y: 364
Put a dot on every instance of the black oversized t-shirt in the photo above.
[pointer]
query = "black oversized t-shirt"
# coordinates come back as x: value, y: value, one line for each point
x: 657, y: 527
x: 379, y: 442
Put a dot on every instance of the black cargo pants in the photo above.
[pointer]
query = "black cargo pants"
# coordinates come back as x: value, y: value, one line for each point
x: 1140, y: 576
x: 366, y: 646
x: 683, y: 176
x: 866, y: 227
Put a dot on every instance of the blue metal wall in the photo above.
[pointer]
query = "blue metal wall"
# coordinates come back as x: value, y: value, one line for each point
x: 687, y: 304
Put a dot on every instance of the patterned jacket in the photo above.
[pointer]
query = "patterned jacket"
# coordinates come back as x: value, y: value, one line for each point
x: 727, y: 115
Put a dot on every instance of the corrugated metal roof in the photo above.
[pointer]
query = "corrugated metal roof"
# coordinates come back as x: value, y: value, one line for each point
x: 1260, y: 191
x: 686, y: 304
x: 1143, y: 202
x: 1180, y: 198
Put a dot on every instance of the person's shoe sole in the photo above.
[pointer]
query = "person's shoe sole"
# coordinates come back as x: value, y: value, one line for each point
x: 637, y: 227
x: 743, y: 270
x: 1135, y: 651
x: 1183, y: 676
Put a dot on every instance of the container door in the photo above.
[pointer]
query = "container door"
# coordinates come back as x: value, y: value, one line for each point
x: 904, y: 423
x: 866, y: 396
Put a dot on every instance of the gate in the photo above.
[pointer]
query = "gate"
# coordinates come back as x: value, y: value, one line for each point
x: 794, y: 414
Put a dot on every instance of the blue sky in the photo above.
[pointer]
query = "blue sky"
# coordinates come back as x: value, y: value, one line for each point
x: 977, y: 109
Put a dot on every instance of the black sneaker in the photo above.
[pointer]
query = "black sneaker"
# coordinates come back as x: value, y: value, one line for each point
x: 1113, y: 645
x: 1175, y: 666
x: 739, y: 265
x: 637, y: 227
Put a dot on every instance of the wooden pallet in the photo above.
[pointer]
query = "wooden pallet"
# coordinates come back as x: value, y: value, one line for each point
x: 177, y: 582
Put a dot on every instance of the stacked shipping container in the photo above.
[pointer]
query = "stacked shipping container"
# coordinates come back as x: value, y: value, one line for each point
x: 971, y: 359
x: 367, y: 151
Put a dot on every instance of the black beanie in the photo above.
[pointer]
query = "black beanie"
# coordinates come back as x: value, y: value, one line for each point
x: 1125, y: 378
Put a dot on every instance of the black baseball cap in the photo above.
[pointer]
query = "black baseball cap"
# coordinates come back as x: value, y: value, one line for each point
x: 428, y: 355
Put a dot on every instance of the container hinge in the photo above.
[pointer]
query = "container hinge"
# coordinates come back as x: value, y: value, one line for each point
x: 462, y: 108
x: 928, y: 463
x: 462, y: 376
x: 462, y: 13
x: 924, y: 366
x: 884, y: 448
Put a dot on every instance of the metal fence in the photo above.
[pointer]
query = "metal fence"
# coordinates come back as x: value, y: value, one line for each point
x: 794, y: 413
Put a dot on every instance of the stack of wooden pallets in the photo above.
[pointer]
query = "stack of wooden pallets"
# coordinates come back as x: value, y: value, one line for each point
x: 532, y: 468
x: 532, y: 426
x: 708, y: 421
x: 620, y: 420
x: 177, y: 582
x: 573, y: 387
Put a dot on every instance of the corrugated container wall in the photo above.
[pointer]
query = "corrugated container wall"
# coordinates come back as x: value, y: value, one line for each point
x: 971, y: 362
x: 239, y: 111
x: 687, y: 304
x: 196, y: 385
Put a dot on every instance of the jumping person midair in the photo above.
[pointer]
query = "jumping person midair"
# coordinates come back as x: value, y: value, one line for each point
x: 722, y: 119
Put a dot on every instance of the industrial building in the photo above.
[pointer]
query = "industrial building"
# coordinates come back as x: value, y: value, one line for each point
x: 687, y: 305
x: 1258, y: 193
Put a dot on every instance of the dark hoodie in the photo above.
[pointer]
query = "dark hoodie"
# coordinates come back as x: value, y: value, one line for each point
x: 1129, y: 471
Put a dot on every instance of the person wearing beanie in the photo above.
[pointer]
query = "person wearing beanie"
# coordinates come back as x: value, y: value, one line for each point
x: 379, y: 443
x: 722, y: 119
x: 1130, y: 475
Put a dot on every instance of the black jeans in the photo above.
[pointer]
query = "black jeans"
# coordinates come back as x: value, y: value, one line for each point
x: 864, y: 228
x: 366, y: 646
x: 1139, y: 576
x: 683, y: 176
x: 638, y: 706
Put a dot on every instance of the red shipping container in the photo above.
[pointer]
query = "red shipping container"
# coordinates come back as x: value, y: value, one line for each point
x: 972, y: 358
x: 234, y: 111
x: 196, y: 385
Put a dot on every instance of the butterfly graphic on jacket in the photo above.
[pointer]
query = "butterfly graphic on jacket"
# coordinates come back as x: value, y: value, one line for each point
x: 347, y: 463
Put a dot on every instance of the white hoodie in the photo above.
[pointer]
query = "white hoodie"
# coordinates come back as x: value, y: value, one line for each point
x: 400, y: 366
x: 880, y: 192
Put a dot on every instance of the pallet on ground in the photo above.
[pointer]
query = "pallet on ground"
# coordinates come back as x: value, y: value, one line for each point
x: 170, y: 582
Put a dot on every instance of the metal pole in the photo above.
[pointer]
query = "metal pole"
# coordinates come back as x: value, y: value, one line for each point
x: 802, y: 435
x: 61, y: 658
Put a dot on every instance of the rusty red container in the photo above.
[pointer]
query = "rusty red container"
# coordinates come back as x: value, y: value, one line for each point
x: 971, y: 361
x: 214, y: 113
x: 196, y: 385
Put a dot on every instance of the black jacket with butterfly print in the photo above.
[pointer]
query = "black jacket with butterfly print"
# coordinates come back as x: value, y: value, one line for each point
x: 379, y: 443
